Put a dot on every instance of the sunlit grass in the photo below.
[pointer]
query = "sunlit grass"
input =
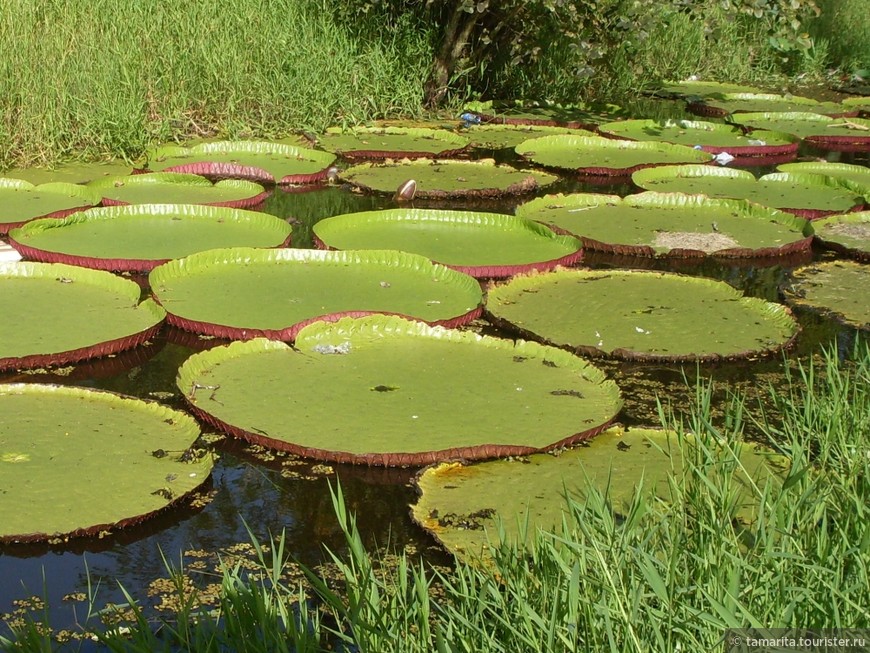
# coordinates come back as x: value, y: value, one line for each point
x: 110, y: 77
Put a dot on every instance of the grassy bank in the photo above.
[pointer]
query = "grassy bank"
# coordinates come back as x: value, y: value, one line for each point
x: 110, y: 77
x: 666, y: 575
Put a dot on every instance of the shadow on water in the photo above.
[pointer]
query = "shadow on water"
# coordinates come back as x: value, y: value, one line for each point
x: 269, y: 493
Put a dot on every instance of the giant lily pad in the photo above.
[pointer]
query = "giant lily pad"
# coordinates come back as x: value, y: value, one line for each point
x: 653, y: 316
x: 821, y: 131
x: 385, y: 142
x: 727, y: 103
x: 178, y: 188
x: 806, y: 195
x: 854, y: 174
x: 848, y: 234
x: 573, y: 116
x: 838, y: 288
x: 671, y: 224
x: 437, y: 179
x: 861, y: 104
x: 480, y: 244
x: 593, y: 155
x: 22, y: 201
x: 78, y: 462
x: 399, y: 393
x: 259, y: 161
x: 465, y: 506
x: 55, y: 314
x: 500, y: 136
x: 140, y: 236
x: 707, y: 136
x: 245, y: 293
x: 691, y: 88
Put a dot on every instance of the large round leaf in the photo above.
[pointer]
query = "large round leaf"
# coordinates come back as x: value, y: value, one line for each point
x: 21, y: 201
x: 573, y: 116
x: 856, y: 175
x: 386, y: 391
x: 499, y: 136
x: 465, y: 506
x: 727, y: 103
x: 248, y: 293
x: 641, y: 315
x: 259, y: 161
x: 79, y: 462
x: 707, y: 136
x: 178, y: 188
x: 673, y: 224
x: 822, y: 131
x: 806, y: 195
x: 384, y: 142
x: 848, y: 234
x: 691, y: 88
x: 54, y: 314
x: 437, y: 179
x: 838, y: 288
x: 593, y: 155
x: 861, y: 104
x: 480, y: 244
x: 140, y: 236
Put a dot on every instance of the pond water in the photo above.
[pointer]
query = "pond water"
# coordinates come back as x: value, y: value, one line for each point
x: 250, y: 490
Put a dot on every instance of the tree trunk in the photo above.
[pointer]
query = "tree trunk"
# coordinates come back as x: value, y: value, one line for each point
x: 455, y: 39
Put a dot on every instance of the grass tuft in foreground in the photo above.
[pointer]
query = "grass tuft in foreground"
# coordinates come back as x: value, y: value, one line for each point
x: 669, y: 574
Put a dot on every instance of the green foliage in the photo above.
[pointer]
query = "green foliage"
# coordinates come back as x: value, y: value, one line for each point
x: 844, y: 26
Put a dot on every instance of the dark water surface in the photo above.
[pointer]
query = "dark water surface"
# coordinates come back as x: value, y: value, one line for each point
x: 269, y: 497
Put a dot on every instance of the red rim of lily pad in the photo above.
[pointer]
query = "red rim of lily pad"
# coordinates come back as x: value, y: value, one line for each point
x: 199, y: 264
x: 257, y: 197
x: 216, y: 170
x: 88, y: 198
x: 851, y: 142
x: 68, y: 274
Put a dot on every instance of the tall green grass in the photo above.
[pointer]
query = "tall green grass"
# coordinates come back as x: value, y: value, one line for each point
x: 110, y: 77
x: 667, y: 574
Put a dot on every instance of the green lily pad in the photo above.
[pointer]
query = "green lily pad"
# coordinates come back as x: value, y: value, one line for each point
x: 22, y: 201
x: 861, y: 104
x: 701, y: 88
x: 806, y: 195
x: 392, y: 142
x: 822, y: 131
x: 855, y: 174
x: 593, y: 155
x: 479, y: 244
x: 258, y: 161
x: 56, y: 314
x: 848, y: 234
x: 438, y: 179
x: 139, y: 237
x: 79, y: 462
x: 178, y: 188
x: 653, y: 316
x: 672, y: 224
x: 464, y: 506
x: 231, y: 293
x: 400, y: 393
x: 728, y: 103
x: 496, y: 136
x: 837, y: 288
x: 573, y: 116
x: 707, y: 136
